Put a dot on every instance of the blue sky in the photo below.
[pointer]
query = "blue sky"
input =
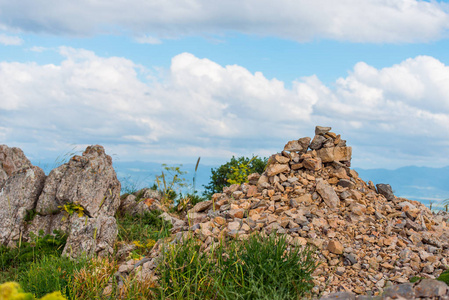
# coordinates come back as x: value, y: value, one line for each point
x: 168, y: 81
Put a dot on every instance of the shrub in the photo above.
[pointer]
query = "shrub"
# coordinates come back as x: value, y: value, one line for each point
x: 234, y: 171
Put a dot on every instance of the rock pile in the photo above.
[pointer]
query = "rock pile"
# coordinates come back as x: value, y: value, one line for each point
x: 366, y: 238
x: 88, y: 183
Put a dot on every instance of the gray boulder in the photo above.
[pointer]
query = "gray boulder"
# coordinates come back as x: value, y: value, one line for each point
x: 385, y: 189
x: 86, y: 182
x: 18, y: 197
x: 11, y: 159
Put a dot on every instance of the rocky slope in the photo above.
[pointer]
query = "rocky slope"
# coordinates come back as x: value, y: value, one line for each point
x: 366, y: 238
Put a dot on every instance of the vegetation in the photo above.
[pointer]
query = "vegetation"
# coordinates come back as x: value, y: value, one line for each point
x: 234, y: 171
x: 142, y: 231
x: 258, y: 268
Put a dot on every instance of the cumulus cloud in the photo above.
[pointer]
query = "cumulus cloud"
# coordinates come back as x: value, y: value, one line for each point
x: 8, y: 40
x: 376, y: 21
x: 392, y: 116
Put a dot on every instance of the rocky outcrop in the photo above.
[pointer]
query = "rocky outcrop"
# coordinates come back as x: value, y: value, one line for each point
x: 365, y: 238
x: 80, y: 198
x: 88, y: 182
x: 11, y: 160
x: 18, y: 197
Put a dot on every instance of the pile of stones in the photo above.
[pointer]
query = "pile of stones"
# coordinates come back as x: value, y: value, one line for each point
x: 366, y: 238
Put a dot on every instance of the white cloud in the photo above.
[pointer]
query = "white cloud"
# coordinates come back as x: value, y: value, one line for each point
x: 8, y: 40
x: 146, y: 39
x: 38, y: 49
x: 393, y: 116
x: 393, y: 21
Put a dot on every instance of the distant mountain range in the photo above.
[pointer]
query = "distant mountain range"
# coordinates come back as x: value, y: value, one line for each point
x: 427, y: 185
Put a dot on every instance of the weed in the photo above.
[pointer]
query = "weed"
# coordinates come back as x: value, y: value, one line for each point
x: 90, y: 281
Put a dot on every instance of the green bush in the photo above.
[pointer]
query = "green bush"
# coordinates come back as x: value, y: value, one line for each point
x: 234, y: 171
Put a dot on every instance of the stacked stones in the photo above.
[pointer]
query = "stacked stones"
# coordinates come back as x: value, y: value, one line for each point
x: 366, y: 238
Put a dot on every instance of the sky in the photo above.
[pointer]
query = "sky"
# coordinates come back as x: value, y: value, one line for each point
x: 169, y: 81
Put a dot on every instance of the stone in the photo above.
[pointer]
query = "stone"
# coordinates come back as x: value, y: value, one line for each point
x: 201, y: 206
x: 129, y: 205
x: 280, y: 159
x: 321, y: 130
x: 18, y: 197
x: 252, y: 191
x: 317, y: 142
x: 404, y: 290
x: 313, y: 164
x: 275, y: 169
x: 385, y: 189
x: 346, y: 183
x: 328, y: 194
x: 151, y: 194
x: 342, y: 154
x: 300, y: 145
x: 428, y: 288
x: 339, y: 295
x: 326, y: 154
x: 11, y: 160
x: 89, y: 180
x: 233, y: 226
x: 91, y: 236
x: 335, y: 247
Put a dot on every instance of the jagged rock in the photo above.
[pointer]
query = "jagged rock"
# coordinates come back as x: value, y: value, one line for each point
x: 91, y: 236
x: 91, y: 182
x: 275, y: 169
x: 385, y: 189
x: 11, y: 160
x: 335, y: 247
x: 201, y: 206
x: 317, y: 142
x: 18, y: 197
x: 320, y: 130
x: 327, y: 193
x: 300, y: 145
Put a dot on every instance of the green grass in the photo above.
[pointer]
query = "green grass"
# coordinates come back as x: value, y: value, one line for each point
x: 49, y: 274
x: 142, y: 229
x: 258, y: 268
x: 15, y: 261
